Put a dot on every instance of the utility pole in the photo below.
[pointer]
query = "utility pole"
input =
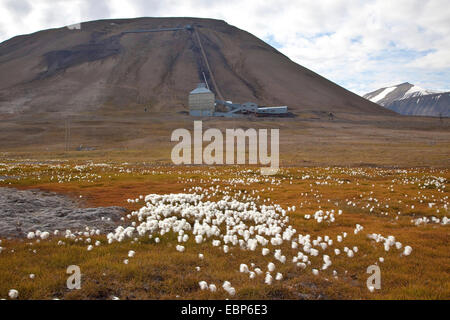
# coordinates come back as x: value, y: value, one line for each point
x: 67, y: 136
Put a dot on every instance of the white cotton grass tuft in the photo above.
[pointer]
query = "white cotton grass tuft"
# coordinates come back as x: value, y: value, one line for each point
x: 13, y: 294
x: 198, y: 239
x: 228, y: 288
x: 243, y: 268
x: 212, y: 287
x: 44, y: 235
x: 407, y: 251
x: 203, y: 285
x: 279, y: 276
x: 271, y: 267
x: 231, y: 291
x: 268, y: 279
x: 131, y: 253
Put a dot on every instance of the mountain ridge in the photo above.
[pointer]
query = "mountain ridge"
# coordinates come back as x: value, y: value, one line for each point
x: 436, y: 104
x: 409, y: 99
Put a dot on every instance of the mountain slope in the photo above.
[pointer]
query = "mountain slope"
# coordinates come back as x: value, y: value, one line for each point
x: 409, y: 99
x: 63, y: 71
x: 437, y: 104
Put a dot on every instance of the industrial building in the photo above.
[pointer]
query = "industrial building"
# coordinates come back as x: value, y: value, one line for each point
x: 201, y: 101
x: 250, y: 107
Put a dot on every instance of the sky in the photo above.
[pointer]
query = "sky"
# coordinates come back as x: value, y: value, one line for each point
x: 362, y: 45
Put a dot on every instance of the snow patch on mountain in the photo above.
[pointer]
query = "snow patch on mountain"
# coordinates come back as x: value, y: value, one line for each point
x: 415, y: 91
x: 382, y: 94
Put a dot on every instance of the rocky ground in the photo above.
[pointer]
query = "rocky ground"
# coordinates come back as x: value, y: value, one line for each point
x: 23, y: 211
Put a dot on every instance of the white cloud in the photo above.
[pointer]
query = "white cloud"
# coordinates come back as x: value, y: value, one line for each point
x: 359, y: 44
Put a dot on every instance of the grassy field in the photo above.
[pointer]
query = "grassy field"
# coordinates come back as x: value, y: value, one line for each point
x: 385, y: 201
x: 308, y: 139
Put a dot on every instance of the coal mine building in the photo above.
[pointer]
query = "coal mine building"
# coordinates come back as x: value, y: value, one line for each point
x: 201, y: 101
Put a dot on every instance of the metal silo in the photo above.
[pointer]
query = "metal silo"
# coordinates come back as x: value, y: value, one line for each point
x: 201, y: 101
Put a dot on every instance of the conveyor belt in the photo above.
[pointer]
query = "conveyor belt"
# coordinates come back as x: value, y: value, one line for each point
x: 205, y: 59
x: 219, y: 94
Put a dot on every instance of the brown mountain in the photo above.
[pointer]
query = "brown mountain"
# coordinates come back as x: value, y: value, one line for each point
x: 70, y: 71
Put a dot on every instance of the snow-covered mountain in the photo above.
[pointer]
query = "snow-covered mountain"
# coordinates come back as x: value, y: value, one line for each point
x: 385, y: 96
x: 410, y: 99
x: 436, y: 105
